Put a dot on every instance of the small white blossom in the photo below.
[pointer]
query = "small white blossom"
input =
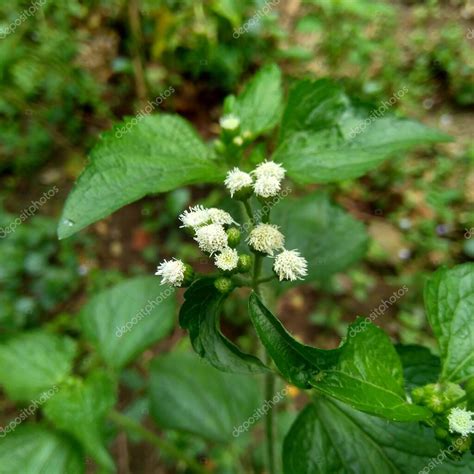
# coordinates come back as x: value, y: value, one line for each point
x: 237, y: 180
x: 218, y: 216
x: 270, y: 169
x: 460, y: 421
x: 229, y: 122
x: 227, y: 260
x: 266, y: 238
x: 171, y: 271
x: 238, y: 140
x: 195, y: 217
x: 211, y: 238
x: 290, y: 265
x: 267, y: 186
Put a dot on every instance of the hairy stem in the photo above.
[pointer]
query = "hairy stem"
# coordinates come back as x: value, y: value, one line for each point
x: 131, y: 425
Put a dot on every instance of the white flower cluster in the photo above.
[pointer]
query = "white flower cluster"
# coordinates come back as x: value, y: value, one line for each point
x: 266, y: 179
x: 460, y: 421
x: 219, y: 242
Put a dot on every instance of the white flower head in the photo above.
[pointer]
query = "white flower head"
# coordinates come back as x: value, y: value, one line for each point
x: 218, y: 216
x: 267, y: 186
x: 171, y: 271
x: 266, y: 238
x: 270, y: 169
x: 290, y: 265
x: 237, y: 180
x: 227, y: 259
x: 238, y: 140
x: 229, y: 122
x: 211, y: 238
x: 460, y: 421
x: 196, y: 216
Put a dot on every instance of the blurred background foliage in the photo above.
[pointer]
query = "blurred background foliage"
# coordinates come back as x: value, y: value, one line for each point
x: 75, y: 68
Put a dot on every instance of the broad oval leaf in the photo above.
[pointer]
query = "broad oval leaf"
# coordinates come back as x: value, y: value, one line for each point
x: 199, y: 314
x: 364, y: 372
x: 297, y: 362
x: 124, y: 320
x: 449, y: 302
x: 34, y: 362
x: 260, y: 103
x: 189, y: 395
x: 331, y: 438
x: 79, y: 408
x: 327, y: 236
x: 34, y: 449
x: 325, y: 138
x: 156, y: 154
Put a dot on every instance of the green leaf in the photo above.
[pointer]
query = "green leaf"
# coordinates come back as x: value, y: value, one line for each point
x: 420, y: 366
x: 325, y: 138
x: 159, y: 153
x: 326, y: 235
x: 312, y: 105
x: 368, y: 376
x: 80, y: 408
x: 260, y: 103
x: 189, y: 395
x: 364, y: 372
x: 229, y: 9
x: 449, y: 302
x: 34, y: 362
x: 33, y: 449
x: 200, y: 316
x: 331, y: 438
x: 297, y: 362
x: 124, y: 320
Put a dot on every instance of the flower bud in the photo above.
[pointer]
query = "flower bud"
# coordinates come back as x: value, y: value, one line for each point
x: 233, y: 237
x: 188, y: 276
x: 219, y: 146
x: 441, y: 433
x: 245, y: 263
x: 418, y: 395
x: 224, y: 285
x: 435, y: 403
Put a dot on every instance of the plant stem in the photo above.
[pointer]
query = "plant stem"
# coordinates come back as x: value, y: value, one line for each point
x: 249, y: 211
x: 269, y: 385
x: 270, y: 419
x: 131, y: 425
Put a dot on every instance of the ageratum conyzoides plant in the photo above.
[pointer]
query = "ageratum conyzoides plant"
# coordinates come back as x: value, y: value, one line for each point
x: 370, y: 406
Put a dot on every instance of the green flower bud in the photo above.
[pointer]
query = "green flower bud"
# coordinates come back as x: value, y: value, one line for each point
x: 245, y: 263
x: 435, y: 403
x: 243, y: 194
x: 219, y: 146
x: 188, y: 276
x: 233, y: 237
x: 224, y: 285
x: 418, y: 395
x: 441, y: 433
